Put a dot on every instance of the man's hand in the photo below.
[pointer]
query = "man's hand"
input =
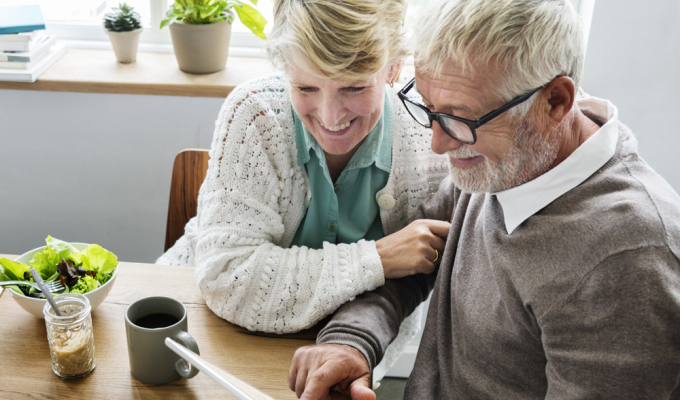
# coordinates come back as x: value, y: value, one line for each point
x: 315, y: 370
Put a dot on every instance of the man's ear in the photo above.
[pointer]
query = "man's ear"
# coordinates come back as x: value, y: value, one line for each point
x: 560, y: 95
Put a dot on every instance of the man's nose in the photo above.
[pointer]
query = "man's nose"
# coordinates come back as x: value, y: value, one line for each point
x: 441, y: 142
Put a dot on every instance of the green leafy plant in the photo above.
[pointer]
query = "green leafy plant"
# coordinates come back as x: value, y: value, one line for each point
x: 123, y: 18
x: 200, y: 12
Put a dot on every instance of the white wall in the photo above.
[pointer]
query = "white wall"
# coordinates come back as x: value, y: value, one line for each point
x: 93, y: 167
x: 633, y: 60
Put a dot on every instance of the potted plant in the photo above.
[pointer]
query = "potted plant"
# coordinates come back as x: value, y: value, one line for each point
x: 200, y: 31
x: 123, y: 26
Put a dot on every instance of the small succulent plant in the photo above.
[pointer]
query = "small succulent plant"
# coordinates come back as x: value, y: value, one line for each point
x: 123, y: 18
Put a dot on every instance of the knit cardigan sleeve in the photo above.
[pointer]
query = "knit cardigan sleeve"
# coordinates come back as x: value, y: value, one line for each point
x: 249, y: 208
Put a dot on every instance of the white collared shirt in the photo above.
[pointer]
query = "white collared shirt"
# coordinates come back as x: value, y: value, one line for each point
x: 521, y: 202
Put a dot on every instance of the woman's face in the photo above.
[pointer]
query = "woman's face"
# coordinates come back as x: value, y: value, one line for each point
x: 339, y: 113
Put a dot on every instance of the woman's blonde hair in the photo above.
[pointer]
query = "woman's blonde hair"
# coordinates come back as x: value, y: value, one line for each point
x: 353, y: 39
x: 531, y: 41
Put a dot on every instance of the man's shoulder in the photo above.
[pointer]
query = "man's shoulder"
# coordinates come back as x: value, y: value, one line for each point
x: 622, y: 208
x: 630, y: 200
x: 625, y: 204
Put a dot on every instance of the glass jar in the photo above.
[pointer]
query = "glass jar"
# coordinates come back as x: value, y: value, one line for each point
x: 70, y: 336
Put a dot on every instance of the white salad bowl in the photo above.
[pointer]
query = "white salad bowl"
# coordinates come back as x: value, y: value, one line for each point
x: 35, y: 306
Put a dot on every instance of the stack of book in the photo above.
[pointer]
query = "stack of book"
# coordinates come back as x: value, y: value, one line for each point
x: 26, y: 50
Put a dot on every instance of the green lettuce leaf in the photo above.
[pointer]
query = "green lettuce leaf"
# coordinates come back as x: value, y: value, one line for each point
x: 77, y: 257
x: 99, y: 260
x: 54, y: 277
x: 13, y: 270
x: 4, y: 277
x: 45, y: 262
x: 85, y: 284
x: 60, y: 247
x: 103, y: 278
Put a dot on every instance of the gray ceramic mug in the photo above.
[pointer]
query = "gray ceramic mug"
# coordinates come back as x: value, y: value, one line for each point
x: 148, y: 322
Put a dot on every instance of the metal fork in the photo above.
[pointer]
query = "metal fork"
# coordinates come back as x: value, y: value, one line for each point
x: 51, y: 286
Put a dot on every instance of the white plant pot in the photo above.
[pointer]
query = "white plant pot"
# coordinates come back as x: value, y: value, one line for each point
x: 201, y: 49
x: 125, y: 44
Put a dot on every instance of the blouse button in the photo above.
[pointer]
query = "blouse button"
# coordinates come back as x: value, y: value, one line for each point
x: 331, y: 227
x: 337, y: 187
x: 386, y: 202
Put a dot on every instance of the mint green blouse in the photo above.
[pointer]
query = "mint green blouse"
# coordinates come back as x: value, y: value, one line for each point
x: 346, y: 211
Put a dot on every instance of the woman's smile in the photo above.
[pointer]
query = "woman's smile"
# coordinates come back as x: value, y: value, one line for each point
x: 337, y: 130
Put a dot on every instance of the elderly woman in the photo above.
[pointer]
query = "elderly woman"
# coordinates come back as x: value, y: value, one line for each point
x: 314, y: 175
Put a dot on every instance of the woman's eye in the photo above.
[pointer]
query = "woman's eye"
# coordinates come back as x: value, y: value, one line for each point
x: 354, y: 89
x: 306, y: 89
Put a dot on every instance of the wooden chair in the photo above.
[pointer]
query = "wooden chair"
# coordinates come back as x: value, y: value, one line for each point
x: 188, y: 173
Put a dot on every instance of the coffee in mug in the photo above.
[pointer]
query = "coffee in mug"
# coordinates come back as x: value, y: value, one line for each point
x: 155, y: 321
x: 148, y: 322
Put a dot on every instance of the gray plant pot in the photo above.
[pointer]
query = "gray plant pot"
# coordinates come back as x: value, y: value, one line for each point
x: 201, y: 49
x: 125, y: 44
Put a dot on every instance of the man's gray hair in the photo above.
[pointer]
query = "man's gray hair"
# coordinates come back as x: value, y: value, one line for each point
x: 531, y: 41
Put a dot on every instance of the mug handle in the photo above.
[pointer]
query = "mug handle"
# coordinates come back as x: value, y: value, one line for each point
x: 185, y: 369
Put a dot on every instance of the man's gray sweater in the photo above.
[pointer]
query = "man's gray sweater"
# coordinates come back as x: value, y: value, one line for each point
x: 581, y: 301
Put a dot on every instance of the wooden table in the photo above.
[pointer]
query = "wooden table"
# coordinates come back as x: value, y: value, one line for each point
x: 25, y: 369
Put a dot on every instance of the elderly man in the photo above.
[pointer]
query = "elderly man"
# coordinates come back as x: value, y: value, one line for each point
x: 560, y: 277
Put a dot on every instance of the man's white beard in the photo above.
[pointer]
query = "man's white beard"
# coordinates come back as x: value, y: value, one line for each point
x: 529, y: 157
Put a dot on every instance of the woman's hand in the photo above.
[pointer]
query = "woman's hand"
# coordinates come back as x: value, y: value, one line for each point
x: 412, y: 249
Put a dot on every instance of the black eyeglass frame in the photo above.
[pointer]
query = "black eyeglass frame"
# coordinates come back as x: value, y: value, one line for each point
x: 473, y: 125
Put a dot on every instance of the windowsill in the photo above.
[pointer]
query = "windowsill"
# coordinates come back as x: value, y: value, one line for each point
x: 97, y: 71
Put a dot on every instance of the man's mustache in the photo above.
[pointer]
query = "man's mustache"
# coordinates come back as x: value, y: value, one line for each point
x: 463, y: 152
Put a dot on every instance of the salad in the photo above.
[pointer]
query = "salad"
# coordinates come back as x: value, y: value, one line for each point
x: 79, y: 271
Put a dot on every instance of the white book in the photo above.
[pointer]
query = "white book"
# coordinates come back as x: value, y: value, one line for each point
x: 32, y: 73
x: 23, y: 46
x: 22, y: 64
x: 27, y: 56
x: 22, y: 37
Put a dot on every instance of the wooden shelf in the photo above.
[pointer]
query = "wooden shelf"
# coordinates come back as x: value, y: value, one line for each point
x: 96, y: 71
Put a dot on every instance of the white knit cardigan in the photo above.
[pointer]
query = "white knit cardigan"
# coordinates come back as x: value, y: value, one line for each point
x: 252, y: 201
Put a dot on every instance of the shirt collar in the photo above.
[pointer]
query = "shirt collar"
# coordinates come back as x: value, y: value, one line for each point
x: 377, y: 148
x: 521, y: 202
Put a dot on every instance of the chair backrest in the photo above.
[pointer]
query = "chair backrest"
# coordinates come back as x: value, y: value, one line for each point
x: 188, y: 173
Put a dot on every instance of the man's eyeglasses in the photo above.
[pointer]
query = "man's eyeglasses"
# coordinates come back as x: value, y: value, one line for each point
x: 461, y: 129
